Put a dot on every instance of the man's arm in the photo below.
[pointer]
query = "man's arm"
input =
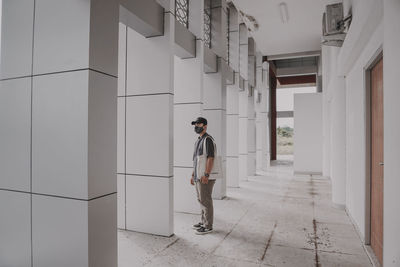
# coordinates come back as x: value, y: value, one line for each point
x: 209, y: 164
x: 192, y: 179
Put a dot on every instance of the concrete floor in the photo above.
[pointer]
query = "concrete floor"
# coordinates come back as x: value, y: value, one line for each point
x: 274, y: 219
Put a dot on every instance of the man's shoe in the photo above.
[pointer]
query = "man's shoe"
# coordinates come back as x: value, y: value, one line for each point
x: 203, y: 231
x: 197, y: 226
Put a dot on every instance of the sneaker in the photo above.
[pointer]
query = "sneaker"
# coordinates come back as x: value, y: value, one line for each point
x: 197, y: 226
x: 203, y: 231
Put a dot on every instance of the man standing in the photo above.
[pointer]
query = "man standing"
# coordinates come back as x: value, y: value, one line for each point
x: 202, y: 181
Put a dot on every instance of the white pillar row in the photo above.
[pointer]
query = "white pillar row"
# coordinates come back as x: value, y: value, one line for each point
x: 145, y: 156
x: 337, y: 103
x: 58, y: 101
x: 232, y: 103
x: 188, y: 105
x: 243, y: 102
x: 261, y: 108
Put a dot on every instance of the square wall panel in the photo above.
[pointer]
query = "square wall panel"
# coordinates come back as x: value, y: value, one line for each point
x: 251, y: 164
x: 121, y: 201
x: 104, y: 32
x: 212, y: 90
x: 15, y: 229
x: 59, y: 232
x: 232, y: 172
x: 16, y: 38
x: 102, y: 134
x: 234, y: 50
x: 184, y: 135
x: 121, y: 135
x: 215, y: 128
x: 188, y: 79
x: 15, y: 132
x: 232, y: 99
x: 259, y: 77
x: 60, y: 134
x: 103, y: 231
x: 149, y: 125
x: 122, y: 59
x: 251, y: 135
x: 243, y: 103
x: 259, y: 160
x: 61, y: 35
x: 243, y: 147
x: 150, y: 64
x: 232, y: 135
x: 243, y: 61
x: 185, y: 198
x: 149, y: 204
x: 243, y: 167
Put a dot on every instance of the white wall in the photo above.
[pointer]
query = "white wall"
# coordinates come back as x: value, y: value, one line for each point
x: 356, y: 123
x: 375, y: 24
x: 308, y: 133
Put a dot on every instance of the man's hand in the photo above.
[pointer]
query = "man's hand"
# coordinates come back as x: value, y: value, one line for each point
x: 204, y: 179
x: 192, y: 181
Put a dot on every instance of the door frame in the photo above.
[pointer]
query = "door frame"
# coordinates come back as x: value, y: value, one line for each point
x: 376, y: 57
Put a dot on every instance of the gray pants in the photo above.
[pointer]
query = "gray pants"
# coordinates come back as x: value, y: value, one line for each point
x: 204, y: 192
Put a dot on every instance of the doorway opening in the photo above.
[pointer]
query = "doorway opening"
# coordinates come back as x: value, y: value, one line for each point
x: 285, y: 121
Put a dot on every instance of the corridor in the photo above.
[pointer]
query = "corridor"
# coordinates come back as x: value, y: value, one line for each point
x: 273, y: 219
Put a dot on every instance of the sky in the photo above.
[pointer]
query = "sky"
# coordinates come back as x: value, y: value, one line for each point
x: 285, y: 102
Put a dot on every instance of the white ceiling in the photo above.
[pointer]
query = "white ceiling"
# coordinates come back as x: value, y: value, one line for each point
x: 301, y: 33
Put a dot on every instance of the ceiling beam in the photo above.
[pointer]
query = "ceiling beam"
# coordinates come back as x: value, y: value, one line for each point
x: 297, y: 79
x: 294, y: 55
x: 296, y: 71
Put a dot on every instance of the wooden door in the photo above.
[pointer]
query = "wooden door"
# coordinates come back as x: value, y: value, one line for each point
x: 377, y: 159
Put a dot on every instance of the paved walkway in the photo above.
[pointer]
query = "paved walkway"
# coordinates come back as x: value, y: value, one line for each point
x: 274, y: 219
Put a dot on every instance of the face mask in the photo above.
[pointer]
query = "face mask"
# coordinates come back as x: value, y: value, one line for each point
x: 198, y: 129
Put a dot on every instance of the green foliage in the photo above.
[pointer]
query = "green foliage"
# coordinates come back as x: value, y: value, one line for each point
x: 285, y: 131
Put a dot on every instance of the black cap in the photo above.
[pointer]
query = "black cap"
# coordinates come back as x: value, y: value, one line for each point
x: 200, y: 120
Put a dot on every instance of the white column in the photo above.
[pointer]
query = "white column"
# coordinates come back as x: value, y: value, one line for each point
x: 251, y: 127
x: 232, y: 138
x: 391, y: 74
x: 58, y: 101
x: 251, y: 136
x: 338, y: 139
x: 262, y: 121
x: 243, y: 102
x: 215, y: 89
x: 232, y: 104
x: 215, y: 113
x: 188, y: 105
x: 326, y: 61
x: 337, y: 105
x: 243, y: 124
x: 146, y: 95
